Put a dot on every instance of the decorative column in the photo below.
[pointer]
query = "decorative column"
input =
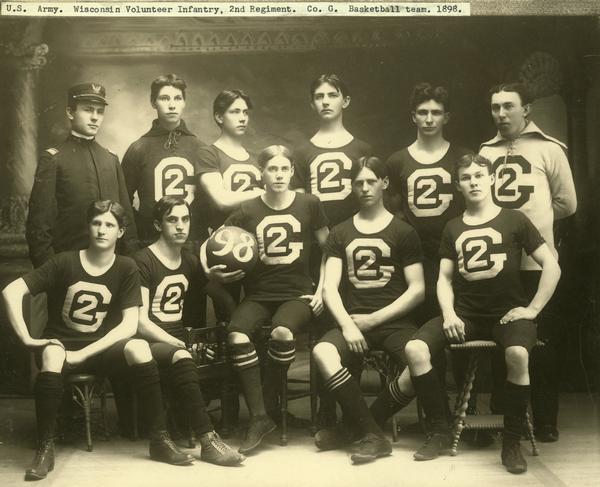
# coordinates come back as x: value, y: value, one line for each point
x: 27, y: 57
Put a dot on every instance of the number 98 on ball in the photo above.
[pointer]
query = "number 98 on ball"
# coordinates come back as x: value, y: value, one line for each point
x: 232, y: 246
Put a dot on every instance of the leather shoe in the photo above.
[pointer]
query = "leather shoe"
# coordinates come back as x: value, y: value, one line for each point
x: 162, y: 449
x: 259, y: 427
x: 43, y: 462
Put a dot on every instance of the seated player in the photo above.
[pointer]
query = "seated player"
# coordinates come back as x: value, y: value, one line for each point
x: 279, y: 289
x: 166, y: 273
x: 481, y: 297
x: 93, y: 301
x: 373, y: 283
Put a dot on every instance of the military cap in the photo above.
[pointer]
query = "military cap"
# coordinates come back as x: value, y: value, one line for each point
x: 87, y: 92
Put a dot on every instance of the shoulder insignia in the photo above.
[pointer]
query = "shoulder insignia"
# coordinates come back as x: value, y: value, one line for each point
x: 52, y: 151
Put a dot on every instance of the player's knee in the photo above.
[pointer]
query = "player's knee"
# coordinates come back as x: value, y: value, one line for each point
x: 517, y: 358
x: 53, y: 358
x: 179, y: 355
x: 137, y: 351
x: 417, y: 351
x: 237, y: 338
x: 282, y: 333
x: 325, y: 353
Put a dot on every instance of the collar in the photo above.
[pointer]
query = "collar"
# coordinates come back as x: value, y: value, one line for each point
x: 157, y: 129
x: 530, y: 130
x: 77, y: 135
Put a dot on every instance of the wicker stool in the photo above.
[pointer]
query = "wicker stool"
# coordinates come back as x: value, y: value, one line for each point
x: 84, y: 388
x: 476, y: 349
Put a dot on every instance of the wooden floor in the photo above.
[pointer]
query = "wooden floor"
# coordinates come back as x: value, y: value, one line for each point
x: 573, y: 461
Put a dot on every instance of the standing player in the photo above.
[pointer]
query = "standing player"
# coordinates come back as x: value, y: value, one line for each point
x: 164, y: 161
x: 532, y: 175
x: 166, y: 272
x: 71, y: 176
x: 279, y: 288
x: 93, y: 300
x: 324, y: 167
x: 421, y: 180
x: 373, y: 282
x: 481, y: 297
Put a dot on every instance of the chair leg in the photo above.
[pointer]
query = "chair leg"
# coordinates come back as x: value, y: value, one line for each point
x: 394, y: 428
x: 284, y: 405
x: 463, y: 401
x: 104, y: 412
x: 534, y: 449
x: 134, y: 416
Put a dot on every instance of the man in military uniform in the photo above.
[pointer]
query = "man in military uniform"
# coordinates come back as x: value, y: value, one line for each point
x: 72, y: 175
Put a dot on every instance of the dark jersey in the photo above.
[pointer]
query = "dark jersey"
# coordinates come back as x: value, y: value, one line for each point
x: 237, y: 176
x: 429, y: 196
x: 68, y: 179
x: 284, y: 241
x: 168, y: 288
x: 163, y: 163
x: 487, y: 259
x: 81, y: 305
x: 327, y: 173
x: 374, y: 263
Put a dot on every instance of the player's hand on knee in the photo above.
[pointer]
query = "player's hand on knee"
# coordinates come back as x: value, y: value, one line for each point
x: 75, y: 358
x: 216, y: 273
x: 355, y: 340
x: 315, y: 301
x: 519, y: 313
x: 454, y: 329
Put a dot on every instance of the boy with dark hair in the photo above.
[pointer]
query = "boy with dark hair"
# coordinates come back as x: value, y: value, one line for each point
x: 533, y: 176
x: 93, y: 300
x: 164, y: 161
x: 373, y: 282
x: 166, y: 272
x: 72, y: 175
x: 481, y: 297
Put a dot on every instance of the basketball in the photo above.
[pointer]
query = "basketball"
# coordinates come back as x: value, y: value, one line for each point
x: 232, y: 246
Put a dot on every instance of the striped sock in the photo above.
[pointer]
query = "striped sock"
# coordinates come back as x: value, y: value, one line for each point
x: 348, y: 393
x: 389, y: 402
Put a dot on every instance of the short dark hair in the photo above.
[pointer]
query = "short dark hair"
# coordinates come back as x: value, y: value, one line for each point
x: 105, y: 206
x: 468, y: 159
x: 226, y: 98
x: 164, y: 206
x: 512, y: 87
x: 332, y: 79
x: 272, y: 151
x: 373, y: 163
x: 166, y: 80
x: 423, y: 92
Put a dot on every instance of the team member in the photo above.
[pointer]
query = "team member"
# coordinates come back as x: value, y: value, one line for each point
x: 374, y: 258
x: 324, y: 167
x: 93, y: 300
x: 164, y: 161
x: 532, y: 175
x: 228, y: 174
x: 481, y: 297
x: 421, y: 181
x: 279, y: 288
x: 166, y: 273
x: 72, y: 175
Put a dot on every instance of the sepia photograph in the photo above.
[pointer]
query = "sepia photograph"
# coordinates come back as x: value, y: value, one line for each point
x: 300, y: 243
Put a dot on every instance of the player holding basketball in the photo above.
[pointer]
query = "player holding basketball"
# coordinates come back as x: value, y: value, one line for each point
x: 279, y: 288
x: 164, y: 161
x: 166, y: 272
x: 373, y: 282
x: 481, y: 297
x: 532, y: 175
x: 324, y: 167
x: 421, y: 181
x: 93, y: 300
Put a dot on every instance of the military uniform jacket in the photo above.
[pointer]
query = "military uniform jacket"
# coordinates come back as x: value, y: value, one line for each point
x: 68, y: 179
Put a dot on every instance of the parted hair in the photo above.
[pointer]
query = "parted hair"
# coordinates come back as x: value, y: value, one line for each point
x: 332, y: 79
x: 105, y: 206
x: 272, y: 151
x: 373, y: 163
x: 468, y: 159
x: 512, y: 87
x: 226, y: 98
x: 166, y: 80
x: 423, y: 92
x: 164, y: 206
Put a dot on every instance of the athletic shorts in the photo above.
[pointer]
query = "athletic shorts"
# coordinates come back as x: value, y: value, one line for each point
x: 250, y: 315
x: 521, y: 333
x: 390, y: 337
